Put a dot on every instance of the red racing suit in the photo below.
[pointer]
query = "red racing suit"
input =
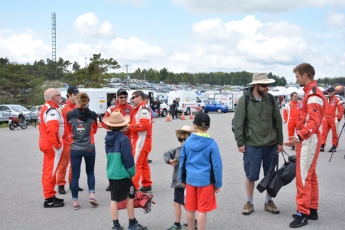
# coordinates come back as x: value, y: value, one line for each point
x: 312, y: 111
x: 334, y: 113
x: 141, y: 139
x: 126, y: 110
x: 51, y: 131
x: 290, y: 116
x: 67, y: 140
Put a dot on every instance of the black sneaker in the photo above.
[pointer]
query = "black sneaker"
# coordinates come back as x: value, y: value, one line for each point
x: 293, y: 148
x: 312, y: 216
x: 61, y: 189
x: 53, y: 203
x: 333, y: 149
x: 136, y: 226
x: 299, y: 221
x: 108, y: 188
x: 146, y: 189
x: 149, y: 161
x: 322, y: 149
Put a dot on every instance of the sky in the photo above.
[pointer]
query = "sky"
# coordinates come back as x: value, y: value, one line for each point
x: 181, y: 35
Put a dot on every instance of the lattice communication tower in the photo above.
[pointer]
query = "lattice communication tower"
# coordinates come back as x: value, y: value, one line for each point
x: 53, y: 37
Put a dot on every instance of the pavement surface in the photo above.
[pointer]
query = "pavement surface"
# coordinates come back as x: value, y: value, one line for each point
x: 21, y: 196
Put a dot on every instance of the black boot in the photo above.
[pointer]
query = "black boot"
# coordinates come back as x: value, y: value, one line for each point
x: 299, y: 221
x: 322, y: 149
x: 333, y: 149
x: 79, y: 189
x: 108, y: 188
x: 61, y: 189
x: 53, y: 202
x: 312, y: 215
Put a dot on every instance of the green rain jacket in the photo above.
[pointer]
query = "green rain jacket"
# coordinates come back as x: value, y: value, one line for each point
x: 258, y: 125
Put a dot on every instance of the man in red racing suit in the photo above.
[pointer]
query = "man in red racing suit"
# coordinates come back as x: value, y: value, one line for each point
x: 334, y: 113
x: 51, y: 131
x: 291, y: 110
x: 310, y: 116
x: 141, y: 139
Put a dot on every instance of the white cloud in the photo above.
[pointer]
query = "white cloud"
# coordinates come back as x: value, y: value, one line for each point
x: 22, y: 48
x: 131, y: 2
x: 335, y: 19
x: 89, y: 25
x: 251, y: 6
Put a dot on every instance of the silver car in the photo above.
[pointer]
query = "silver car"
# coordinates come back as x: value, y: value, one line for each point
x: 11, y: 110
x: 35, y: 110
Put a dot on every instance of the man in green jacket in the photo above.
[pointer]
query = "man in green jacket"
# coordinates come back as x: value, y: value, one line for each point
x: 259, y: 135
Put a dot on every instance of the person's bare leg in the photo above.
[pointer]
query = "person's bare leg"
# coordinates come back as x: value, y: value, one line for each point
x: 130, y: 208
x: 249, y: 187
x: 178, y: 212
x: 190, y: 220
x: 202, y: 216
x: 114, y: 210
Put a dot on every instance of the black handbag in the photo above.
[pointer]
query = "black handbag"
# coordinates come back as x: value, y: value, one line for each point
x: 288, y: 170
x: 283, y: 176
x: 269, y: 176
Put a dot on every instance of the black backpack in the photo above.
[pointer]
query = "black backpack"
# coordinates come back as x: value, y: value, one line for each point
x: 272, y: 101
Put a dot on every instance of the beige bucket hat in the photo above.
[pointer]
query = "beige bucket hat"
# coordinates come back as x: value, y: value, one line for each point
x: 261, y: 78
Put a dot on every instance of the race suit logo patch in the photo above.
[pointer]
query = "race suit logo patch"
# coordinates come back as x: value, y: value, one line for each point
x: 127, y: 111
x: 80, y: 127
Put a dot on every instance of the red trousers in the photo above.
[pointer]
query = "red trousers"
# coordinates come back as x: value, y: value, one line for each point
x: 291, y: 125
x: 48, y: 178
x: 142, y: 170
x: 64, y: 161
x: 327, y: 124
x: 307, y: 185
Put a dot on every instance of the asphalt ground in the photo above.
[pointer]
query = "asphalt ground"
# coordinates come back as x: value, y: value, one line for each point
x: 21, y: 199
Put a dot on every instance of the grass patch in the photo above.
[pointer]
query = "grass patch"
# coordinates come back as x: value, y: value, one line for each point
x: 4, y: 125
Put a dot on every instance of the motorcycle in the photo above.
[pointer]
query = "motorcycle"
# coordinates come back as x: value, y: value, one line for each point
x: 21, y: 122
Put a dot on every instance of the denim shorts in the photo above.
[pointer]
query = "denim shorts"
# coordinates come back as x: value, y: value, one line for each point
x: 254, y: 156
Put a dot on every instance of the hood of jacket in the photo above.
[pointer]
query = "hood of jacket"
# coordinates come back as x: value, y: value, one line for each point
x: 111, y: 136
x: 83, y: 113
x: 198, y: 143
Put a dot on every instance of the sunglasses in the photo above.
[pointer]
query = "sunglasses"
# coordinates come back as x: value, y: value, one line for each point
x: 263, y: 85
x: 181, y: 139
x: 135, y: 97
x: 123, y: 97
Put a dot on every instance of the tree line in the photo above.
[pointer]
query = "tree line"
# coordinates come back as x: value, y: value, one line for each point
x: 25, y: 83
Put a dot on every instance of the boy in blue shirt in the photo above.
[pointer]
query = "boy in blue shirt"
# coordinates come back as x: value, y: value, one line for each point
x: 201, y: 171
x: 120, y: 169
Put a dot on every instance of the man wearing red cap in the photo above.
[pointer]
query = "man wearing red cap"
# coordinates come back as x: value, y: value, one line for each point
x: 334, y: 113
x: 50, y: 142
x: 72, y: 92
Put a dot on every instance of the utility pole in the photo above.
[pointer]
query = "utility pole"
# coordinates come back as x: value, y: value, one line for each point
x: 85, y: 62
x: 53, y: 15
x: 127, y: 76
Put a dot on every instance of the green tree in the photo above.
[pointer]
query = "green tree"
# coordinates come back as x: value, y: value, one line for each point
x: 95, y: 74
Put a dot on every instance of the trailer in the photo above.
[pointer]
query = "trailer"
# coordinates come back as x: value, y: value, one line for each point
x: 230, y: 99
x: 189, y: 101
x: 100, y: 98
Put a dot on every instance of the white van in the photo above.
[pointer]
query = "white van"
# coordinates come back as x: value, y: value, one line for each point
x: 188, y: 101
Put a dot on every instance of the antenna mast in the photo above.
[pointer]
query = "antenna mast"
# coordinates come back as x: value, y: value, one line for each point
x: 53, y: 37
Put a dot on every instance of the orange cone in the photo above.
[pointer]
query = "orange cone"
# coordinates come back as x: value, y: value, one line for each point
x: 191, y: 116
x: 182, y: 117
x: 168, y: 118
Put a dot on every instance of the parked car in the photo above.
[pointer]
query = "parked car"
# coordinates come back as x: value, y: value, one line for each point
x: 213, y: 106
x: 35, y: 110
x: 284, y: 102
x: 12, y: 110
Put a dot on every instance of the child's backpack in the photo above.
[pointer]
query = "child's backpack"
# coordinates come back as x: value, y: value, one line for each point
x: 141, y: 200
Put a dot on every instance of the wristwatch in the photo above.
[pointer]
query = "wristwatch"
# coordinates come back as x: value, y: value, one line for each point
x: 298, y: 139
